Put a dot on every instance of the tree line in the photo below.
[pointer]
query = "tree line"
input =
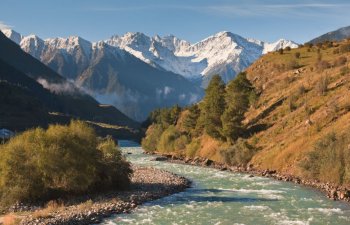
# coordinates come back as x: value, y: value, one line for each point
x: 219, y: 115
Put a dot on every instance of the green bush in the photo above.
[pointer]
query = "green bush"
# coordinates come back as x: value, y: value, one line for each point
x: 238, y: 154
x: 167, y: 139
x: 193, y: 147
x: 150, y: 141
x: 329, y: 161
x: 62, y: 160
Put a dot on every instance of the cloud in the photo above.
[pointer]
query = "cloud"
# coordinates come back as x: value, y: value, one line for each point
x: 64, y: 88
x: 256, y: 10
x: 3, y: 26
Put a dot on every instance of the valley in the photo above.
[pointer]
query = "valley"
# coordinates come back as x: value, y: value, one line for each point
x: 242, y: 117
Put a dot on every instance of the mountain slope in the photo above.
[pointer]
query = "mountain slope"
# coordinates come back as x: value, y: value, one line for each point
x: 337, y: 35
x: 224, y: 53
x: 112, y: 75
x: 21, y: 69
x: 298, y: 125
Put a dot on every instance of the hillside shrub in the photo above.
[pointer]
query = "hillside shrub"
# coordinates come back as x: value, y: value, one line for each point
x: 344, y: 48
x: 344, y: 70
x: 322, y: 65
x: 297, y: 55
x: 292, y: 64
x: 341, y: 61
x: 322, y: 85
x: 329, y: 160
x: 62, y: 160
x: 150, y: 141
x: 238, y: 154
x: 193, y: 147
x: 167, y: 139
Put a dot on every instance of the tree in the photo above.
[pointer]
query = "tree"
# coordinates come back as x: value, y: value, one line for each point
x: 238, y: 92
x: 280, y: 51
x: 213, y: 106
x: 190, y: 121
x: 297, y: 55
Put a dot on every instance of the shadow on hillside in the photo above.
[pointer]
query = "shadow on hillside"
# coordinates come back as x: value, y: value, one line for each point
x: 250, y: 131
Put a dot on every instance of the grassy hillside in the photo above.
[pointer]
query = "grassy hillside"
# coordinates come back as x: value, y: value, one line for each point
x: 300, y: 102
x: 298, y: 123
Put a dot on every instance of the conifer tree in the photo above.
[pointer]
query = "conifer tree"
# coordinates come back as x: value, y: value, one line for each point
x: 213, y: 107
x: 190, y: 121
x: 238, y: 92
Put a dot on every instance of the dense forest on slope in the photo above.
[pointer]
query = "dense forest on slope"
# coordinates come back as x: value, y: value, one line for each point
x: 289, y: 112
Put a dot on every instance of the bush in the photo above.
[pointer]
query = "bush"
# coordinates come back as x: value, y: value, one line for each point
x: 293, y: 64
x: 239, y: 154
x: 150, y: 141
x: 344, y: 48
x: 341, y: 61
x: 322, y: 65
x: 292, y: 103
x: 167, y: 139
x: 344, y: 70
x: 288, y: 48
x: 63, y: 160
x: 193, y: 147
x: 181, y: 142
x: 280, y: 51
x: 322, y: 85
x: 297, y: 55
x: 329, y: 161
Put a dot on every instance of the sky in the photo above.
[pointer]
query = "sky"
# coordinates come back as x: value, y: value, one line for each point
x: 192, y: 20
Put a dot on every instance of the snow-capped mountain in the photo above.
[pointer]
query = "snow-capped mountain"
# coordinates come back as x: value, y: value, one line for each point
x: 224, y: 53
x: 137, y: 73
x: 111, y: 74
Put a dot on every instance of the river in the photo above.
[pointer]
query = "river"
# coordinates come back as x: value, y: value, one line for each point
x: 220, y: 197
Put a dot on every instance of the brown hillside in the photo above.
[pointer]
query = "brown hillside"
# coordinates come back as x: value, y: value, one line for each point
x: 302, y: 99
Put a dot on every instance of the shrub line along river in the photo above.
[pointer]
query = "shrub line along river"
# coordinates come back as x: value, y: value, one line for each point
x: 221, y: 197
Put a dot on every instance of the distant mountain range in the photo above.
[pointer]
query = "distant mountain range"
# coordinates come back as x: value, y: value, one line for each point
x: 32, y: 94
x: 224, y: 53
x: 337, y: 35
x: 137, y: 73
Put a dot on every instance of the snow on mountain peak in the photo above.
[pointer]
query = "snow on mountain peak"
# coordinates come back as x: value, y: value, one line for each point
x: 223, y: 53
x: 13, y: 35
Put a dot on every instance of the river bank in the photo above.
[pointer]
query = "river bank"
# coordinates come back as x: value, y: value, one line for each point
x: 147, y: 184
x: 332, y: 191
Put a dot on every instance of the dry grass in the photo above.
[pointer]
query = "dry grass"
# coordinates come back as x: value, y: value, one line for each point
x: 51, y: 207
x: 86, y: 205
x: 10, y: 219
x: 291, y: 134
x: 210, y: 148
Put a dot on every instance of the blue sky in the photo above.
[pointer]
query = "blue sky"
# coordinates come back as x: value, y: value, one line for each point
x: 192, y: 20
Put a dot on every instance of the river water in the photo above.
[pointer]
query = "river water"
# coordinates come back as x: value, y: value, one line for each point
x: 220, y: 197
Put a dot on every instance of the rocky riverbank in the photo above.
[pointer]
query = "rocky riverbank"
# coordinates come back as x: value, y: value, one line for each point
x: 147, y: 184
x: 332, y: 191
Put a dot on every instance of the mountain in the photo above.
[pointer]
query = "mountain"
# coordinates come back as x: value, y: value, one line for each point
x: 110, y: 74
x: 297, y: 123
x: 137, y: 73
x: 337, y: 35
x: 224, y: 53
x: 32, y: 93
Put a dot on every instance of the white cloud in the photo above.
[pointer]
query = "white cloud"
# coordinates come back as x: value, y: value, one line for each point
x: 253, y: 10
x: 3, y: 25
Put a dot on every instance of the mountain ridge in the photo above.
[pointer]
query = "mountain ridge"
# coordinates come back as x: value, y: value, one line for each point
x: 336, y: 35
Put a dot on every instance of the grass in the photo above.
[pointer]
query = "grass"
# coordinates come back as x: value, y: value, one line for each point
x: 289, y: 138
x: 51, y: 207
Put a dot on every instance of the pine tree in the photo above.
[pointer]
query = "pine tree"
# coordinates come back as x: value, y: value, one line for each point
x: 237, y: 96
x: 190, y: 121
x: 213, y: 107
